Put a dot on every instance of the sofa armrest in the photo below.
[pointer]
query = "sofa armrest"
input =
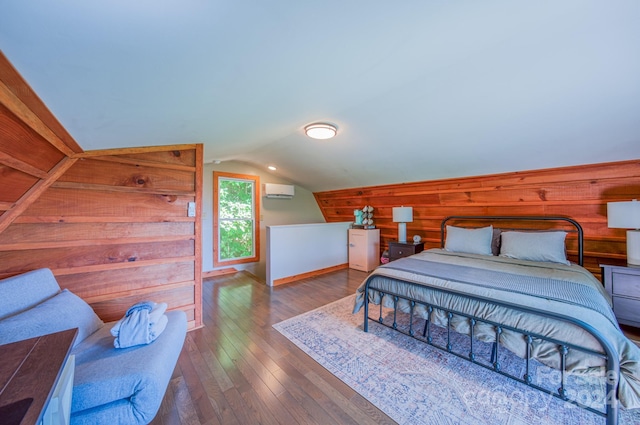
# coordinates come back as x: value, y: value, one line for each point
x: 26, y: 290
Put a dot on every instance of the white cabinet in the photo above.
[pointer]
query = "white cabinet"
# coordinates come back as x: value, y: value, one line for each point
x: 364, y: 249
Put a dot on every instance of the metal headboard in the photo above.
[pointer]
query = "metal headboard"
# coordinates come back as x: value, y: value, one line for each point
x: 571, y: 221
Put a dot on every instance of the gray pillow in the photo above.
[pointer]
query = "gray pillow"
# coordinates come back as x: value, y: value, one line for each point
x: 470, y: 241
x: 61, y: 312
x: 534, y: 246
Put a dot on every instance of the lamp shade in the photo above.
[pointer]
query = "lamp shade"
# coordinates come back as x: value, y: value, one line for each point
x: 402, y: 214
x: 623, y: 215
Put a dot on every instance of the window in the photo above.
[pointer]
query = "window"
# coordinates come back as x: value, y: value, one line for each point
x: 236, y: 230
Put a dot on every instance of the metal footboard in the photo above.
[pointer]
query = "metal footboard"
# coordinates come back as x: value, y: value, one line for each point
x: 609, y: 353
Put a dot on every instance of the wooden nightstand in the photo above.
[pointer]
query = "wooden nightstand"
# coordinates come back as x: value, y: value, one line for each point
x: 623, y: 284
x: 404, y: 249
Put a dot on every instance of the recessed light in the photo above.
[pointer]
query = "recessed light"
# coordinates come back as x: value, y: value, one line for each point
x: 321, y: 131
x: 272, y: 168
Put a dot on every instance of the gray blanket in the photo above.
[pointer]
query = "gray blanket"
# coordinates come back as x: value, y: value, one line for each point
x: 535, y: 286
x: 565, y: 290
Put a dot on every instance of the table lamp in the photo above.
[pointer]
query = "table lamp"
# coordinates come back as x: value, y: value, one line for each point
x: 402, y: 216
x: 626, y: 215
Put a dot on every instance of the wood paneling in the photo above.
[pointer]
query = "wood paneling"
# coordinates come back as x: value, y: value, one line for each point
x: 112, y: 225
x: 103, y: 203
x: 129, y: 175
x: 579, y: 192
x: 30, y: 103
x: 20, y: 184
x: 112, y: 243
x: 21, y: 143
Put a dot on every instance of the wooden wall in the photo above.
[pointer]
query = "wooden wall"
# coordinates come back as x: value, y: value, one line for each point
x: 112, y: 225
x: 580, y: 192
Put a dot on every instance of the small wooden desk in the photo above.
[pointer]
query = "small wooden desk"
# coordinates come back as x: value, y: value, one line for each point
x: 29, y: 372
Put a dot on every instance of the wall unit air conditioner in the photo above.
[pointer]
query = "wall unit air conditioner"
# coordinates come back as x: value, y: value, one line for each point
x: 279, y: 191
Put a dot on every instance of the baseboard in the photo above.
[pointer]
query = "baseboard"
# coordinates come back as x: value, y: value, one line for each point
x: 220, y: 272
x: 314, y: 273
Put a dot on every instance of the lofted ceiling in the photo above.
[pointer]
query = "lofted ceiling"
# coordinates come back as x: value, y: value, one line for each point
x: 419, y: 89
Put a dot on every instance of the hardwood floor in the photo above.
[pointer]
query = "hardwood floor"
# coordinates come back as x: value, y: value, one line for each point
x: 237, y: 369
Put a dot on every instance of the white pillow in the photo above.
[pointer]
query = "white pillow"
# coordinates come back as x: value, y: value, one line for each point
x: 470, y: 241
x: 534, y: 246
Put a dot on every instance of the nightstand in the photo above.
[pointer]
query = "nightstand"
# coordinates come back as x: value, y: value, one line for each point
x: 623, y: 284
x: 364, y: 249
x: 404, y: 249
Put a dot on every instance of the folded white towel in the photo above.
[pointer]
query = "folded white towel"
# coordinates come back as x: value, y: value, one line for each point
x: 156, y: 329
x: 142, y: 324
x: 157, y: 312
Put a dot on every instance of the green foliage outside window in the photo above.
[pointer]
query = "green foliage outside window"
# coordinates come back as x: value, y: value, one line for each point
x: 235, y: 217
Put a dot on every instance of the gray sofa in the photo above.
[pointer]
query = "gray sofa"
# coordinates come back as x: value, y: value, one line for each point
x: 111, y: 386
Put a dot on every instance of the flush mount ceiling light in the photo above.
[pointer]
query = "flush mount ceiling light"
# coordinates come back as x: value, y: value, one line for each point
x: 321, y: 131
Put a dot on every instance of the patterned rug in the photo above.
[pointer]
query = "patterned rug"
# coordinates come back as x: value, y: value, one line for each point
x: 414, y: 383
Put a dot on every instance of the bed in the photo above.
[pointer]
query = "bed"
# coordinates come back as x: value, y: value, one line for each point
x: 509, y: 284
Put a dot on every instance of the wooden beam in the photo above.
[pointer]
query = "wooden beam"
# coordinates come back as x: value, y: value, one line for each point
x: 34, y: 193
x: 26, y: 115
x: 133, y: 151
x: 115, y: 158
x: 13, y: 81
x: 198, y: 176
x: 12, y: 162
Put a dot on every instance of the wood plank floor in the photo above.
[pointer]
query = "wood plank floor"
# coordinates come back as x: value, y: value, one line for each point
x: 237, y: 369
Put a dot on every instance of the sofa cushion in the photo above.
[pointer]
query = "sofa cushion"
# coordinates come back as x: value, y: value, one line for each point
x: 26, y: 290
x: 135, y: 378
x: 60, y: 312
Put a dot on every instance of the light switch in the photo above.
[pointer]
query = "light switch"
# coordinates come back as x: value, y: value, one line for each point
x: 191, y: 209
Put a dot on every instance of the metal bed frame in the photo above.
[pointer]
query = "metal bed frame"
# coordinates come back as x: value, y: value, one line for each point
x: 609, y: 352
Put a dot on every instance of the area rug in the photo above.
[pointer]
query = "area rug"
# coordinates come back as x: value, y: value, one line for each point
x: 414, y: 383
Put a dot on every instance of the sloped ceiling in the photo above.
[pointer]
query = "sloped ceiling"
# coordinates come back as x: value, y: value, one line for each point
x: 419, y: 90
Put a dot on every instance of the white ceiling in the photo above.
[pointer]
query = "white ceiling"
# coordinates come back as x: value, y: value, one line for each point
x: 419, y: 89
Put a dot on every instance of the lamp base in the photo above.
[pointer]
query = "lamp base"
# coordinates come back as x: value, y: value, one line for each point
x: 402, y: 232
x: 633, y: 247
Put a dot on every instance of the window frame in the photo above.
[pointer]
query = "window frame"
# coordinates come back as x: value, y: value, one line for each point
x: 256, y: 218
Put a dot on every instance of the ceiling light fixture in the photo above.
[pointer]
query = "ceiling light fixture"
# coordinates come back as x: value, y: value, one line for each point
x: 321, y: 131
x: 272, y: 168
